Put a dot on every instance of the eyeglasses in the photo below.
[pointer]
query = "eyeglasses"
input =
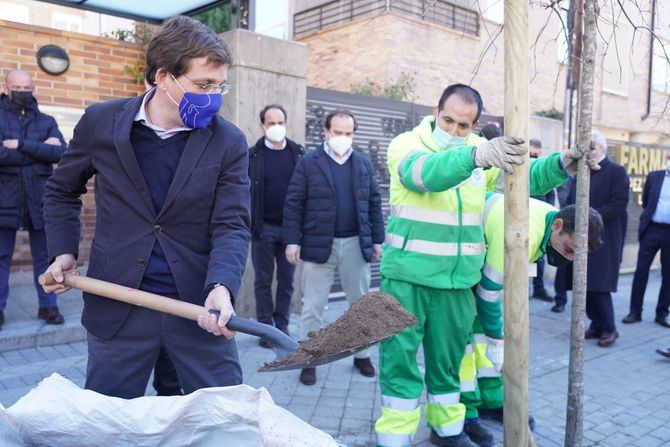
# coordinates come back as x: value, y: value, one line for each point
x: 223, y: 88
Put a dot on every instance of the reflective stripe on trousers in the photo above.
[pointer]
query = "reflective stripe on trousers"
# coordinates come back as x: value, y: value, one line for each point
x: 399, y: 421
x: 445, y: 414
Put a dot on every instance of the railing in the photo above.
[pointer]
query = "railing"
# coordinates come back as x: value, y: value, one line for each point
x: 441, y: 12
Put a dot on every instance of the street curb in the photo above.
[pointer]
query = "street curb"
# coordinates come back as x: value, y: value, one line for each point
x: 31, y: 334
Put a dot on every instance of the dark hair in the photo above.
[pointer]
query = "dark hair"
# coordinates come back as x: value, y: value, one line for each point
x: 467, y: 94
x: 180, y: 40
x: 340, y: 112
x: 596, y: 227
x: 491, y: 131
x: 271, y: 106
x: 535, y: 143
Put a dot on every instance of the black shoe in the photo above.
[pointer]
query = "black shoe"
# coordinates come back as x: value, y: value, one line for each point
x: 264, y: 342
x: 284, y: 330
x: 542, y: 294
x: 665, y: 353
x: 477, y: 433
x: 663, y: 321
x: 558, y: 308
x: 2, y: 318
x: 365, y: 366
x: 496, y: 414
x: 308, y: 376
x: 632, y: 318
x: 460, y: 440
x: 51, y: 315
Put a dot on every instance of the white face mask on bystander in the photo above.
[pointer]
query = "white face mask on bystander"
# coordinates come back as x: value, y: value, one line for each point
x: 340, y: 145
x: 276, y: 133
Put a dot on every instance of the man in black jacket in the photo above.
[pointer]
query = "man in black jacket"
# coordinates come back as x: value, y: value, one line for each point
x: 172, y: 216
x: 333, y: 221
x: 271, y: 164
x: 31, y: 144
x: 654, y: 235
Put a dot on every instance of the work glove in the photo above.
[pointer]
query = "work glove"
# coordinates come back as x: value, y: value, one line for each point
x: 501, y: 152
x: 495, y: 352
x: 571, y: 157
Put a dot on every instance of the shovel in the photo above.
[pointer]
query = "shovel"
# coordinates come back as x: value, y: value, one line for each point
x: 288, y: 357
x: 282, y: 344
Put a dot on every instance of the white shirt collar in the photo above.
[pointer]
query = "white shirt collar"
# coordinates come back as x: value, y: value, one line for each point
x: 141, y: 116
x: 339, y: 160
x: 269, y: 145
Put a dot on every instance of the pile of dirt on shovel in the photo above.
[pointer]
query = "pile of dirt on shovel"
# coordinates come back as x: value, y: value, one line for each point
x: 374, y: 317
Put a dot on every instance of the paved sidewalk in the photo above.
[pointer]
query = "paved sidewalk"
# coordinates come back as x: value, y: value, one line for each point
x: 626, y: 386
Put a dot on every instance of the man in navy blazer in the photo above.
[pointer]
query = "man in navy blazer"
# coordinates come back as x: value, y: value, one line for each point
x: 172, y: 216
x: 654, y: 235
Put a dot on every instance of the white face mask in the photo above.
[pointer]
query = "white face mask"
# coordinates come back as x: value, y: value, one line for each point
x: 275, y: 133
x: 340, y: 145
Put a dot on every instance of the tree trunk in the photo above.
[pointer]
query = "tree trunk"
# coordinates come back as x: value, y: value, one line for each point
x: 575, y: 418
x: 516, y: 229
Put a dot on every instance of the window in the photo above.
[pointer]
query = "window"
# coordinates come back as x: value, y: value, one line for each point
x: 67, y: 22
x: 14, y: 13
x: 493, y: 10
x: 562, y: 47
x: 660, y: 76
x: 616, y: 61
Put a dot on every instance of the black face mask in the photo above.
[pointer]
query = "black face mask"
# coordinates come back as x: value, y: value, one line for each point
x: 556, y: 258
x: 533, y: 156
x: 23, y: 99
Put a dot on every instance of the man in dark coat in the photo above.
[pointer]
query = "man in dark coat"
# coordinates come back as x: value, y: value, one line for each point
x: 333, y: 221
x: 654, y: 235
x: 172, y: 202
x: 271, y: 164
x: 31, y: 144
x: 609, y: 196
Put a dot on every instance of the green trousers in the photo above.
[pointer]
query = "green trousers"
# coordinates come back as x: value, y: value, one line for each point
x: 444, y: 325
x: 488, y: 393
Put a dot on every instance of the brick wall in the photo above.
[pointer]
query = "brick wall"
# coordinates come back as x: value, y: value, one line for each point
x: 96, y: 73
x: 382, y: 48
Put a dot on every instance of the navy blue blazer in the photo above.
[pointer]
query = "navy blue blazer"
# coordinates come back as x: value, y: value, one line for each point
x: 650, y: 195
x: 203, y: 226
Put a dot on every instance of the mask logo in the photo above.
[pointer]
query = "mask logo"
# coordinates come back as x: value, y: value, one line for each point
x: 556, y: 258
x: 196, y: 110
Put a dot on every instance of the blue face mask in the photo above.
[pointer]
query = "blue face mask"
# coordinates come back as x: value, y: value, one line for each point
x: 196, y: 110
x: 445, y: 140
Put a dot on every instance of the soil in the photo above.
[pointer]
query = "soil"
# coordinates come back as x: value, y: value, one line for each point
x: 374, y: 317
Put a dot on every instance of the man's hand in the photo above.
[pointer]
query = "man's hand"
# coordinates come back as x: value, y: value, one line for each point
x: 218, y: 299
x: 376, y: 252
x: 61, y: 264
x: 293, y: 253
x: 501, y: 152
x: 495, y: 351
x: 52, y: 140
x: 570, y: 159
x: 10, y: 144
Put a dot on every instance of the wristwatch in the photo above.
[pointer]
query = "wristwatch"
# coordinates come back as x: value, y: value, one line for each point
x: 211, y: 287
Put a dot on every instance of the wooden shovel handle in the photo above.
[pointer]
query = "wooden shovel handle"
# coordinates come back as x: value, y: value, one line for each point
x: 127, y: 295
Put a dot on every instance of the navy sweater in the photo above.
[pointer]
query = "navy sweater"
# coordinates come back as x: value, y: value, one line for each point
x: 346, y: 217
x: 158, y: 160
x: 277, y: 171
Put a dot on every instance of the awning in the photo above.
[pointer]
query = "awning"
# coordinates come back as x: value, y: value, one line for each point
x: 152, y: 11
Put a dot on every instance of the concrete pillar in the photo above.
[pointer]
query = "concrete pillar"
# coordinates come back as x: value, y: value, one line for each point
x: 265, y: 70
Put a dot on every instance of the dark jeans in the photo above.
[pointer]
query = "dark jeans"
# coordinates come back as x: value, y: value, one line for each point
x: 264, y: 253
x: 561, y: 286
x: 655, y: 237
x: 600, y: 311
x: 38, y: 251
x: 166, y: 382
x: 538, y: 281
x: 121, y: 366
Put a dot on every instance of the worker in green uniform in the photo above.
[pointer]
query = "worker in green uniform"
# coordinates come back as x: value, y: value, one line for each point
x: 550, y: 231
x: 433, y: 255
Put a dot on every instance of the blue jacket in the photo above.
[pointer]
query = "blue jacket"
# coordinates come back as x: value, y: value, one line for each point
x: 24, y: 171
x: 650, y: 195
x: 310, y: 206
x: 203, y: 226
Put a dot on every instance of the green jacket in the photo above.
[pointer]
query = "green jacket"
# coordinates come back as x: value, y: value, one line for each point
x: 488, y: 292
x: 434, y: 235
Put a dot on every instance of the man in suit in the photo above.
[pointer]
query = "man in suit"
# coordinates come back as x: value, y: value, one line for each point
x: 654, y: 235
x: 172, y: 198
x: 333, y: 221
x: 271, y: 164
x: 609, y: 196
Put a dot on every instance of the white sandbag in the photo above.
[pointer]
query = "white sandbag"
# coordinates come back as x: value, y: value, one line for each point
x: 59, y: 413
